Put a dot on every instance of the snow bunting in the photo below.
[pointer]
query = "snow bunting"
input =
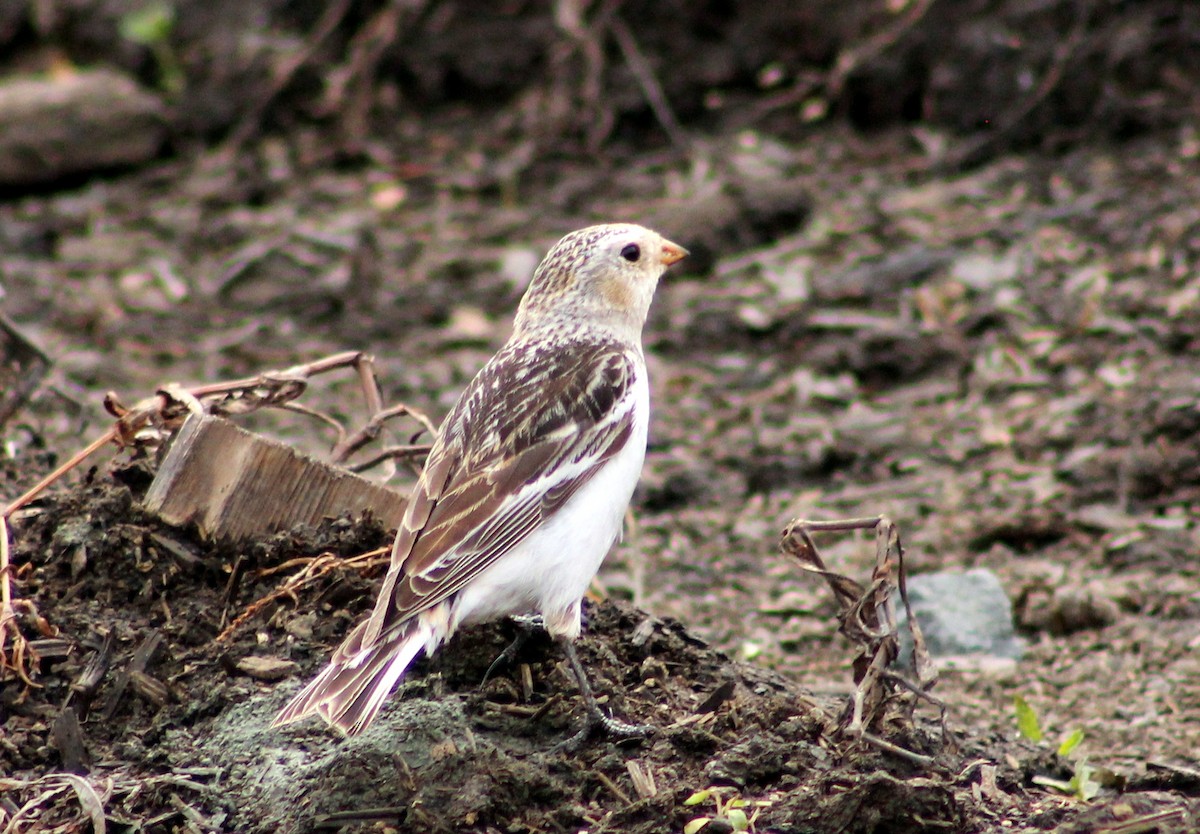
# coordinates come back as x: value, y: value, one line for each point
x: 525, y: 490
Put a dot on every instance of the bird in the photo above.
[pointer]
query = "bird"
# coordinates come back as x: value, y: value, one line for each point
x: 527, y: 484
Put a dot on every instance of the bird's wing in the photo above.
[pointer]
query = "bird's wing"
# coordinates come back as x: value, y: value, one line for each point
x: 532, y: 428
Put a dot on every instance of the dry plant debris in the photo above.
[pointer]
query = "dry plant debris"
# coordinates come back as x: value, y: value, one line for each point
x: 43, y: 804
x: 314, y: 568
x: 149, y: 423
x: 1003, y: 359
x: 866, y: 616
x: 17, y: 654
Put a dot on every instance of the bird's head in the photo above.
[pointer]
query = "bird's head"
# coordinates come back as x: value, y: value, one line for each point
x: 601, y: 275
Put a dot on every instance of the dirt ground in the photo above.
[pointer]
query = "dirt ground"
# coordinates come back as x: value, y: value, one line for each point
x: 944, y: 269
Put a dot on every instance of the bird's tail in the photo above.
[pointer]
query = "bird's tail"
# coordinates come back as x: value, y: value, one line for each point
x: 351, y: 690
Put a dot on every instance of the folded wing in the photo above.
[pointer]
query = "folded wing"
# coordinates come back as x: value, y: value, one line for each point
x: 532, y: 428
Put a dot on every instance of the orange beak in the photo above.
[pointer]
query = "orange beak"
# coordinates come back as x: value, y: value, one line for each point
x: 672, y: 252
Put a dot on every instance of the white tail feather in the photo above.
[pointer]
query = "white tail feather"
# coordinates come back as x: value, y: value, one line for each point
x: 351, y: 690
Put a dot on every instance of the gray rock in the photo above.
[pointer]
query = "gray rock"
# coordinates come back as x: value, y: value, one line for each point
x: 86, y: 121
x: 961, y: 613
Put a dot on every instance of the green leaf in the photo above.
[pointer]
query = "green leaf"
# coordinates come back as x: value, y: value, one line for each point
x: 738, y: 819
x: 1083, y: 785
x: 695, y: 825
x: 1027, y: 720
x: 698, y: 797
x: 149, y: 25
x: 1070, y: 743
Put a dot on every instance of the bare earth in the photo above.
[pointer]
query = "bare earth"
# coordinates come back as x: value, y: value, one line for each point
x: 1000, y: 358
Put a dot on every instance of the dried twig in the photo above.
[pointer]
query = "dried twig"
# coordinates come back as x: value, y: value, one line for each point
x: 75, y: 459
x: 315, y: 568
x: 604, y: 779
x: 896, y: 750
x: 17, y: 655
x: 149, y: 422
x: 656, y: 97
x: 976, y: 151
x: 1155, y: 821
x: 349, y: 445
x: 338, y: 820
x: 283, y: 74
x: 849, y: 60
x: 350, y: 88
x: 409, y: 452
x: 867, y: 617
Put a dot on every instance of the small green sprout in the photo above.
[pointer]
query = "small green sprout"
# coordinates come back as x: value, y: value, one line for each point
x: 732, y: 810
x: 1086, y: 781
x: 1027, y: 720
x: 151, y: 26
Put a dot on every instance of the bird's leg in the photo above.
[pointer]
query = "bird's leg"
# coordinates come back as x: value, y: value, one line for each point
x: 526, y: 628
x: 595, y: 716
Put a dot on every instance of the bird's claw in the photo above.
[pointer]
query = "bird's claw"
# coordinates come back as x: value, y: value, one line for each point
x: 596, y: 719
x: 526, y: 628
x: 619, y: 730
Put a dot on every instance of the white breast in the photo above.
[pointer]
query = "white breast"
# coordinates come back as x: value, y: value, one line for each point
x: 549, y: 572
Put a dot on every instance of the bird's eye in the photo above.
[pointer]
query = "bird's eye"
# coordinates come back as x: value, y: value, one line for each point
x: 631, y: 252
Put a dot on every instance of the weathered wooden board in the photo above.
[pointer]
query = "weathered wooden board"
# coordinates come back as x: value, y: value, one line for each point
x: 234, y: 485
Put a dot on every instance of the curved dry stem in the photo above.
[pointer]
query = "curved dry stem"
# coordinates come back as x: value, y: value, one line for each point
x: 20, y: 656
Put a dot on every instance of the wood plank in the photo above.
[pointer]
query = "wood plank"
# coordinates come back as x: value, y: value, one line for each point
x: 233, y: 484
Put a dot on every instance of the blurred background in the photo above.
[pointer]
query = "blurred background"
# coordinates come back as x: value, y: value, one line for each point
x: 944, y: 269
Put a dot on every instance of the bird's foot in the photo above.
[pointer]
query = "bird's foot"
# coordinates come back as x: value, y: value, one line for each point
x: 596, y: 719
x: 526, y: 628
x: 599, y: 722
x: 621, y: 729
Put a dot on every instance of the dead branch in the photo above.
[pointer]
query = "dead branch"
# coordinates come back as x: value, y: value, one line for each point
x: 283, y: 74
x: 832, y: 82
x: 977, y: 150
x: 350, y: 91
x: 586, y: 39
x: 409, y: 452
x: 867, y: 617
x: 370, y: 432
x: 850, y: 59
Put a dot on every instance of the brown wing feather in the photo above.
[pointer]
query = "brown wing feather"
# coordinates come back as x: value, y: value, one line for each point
x: 504, y: 531
x: 457, y: 522
x: 439, y: 468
